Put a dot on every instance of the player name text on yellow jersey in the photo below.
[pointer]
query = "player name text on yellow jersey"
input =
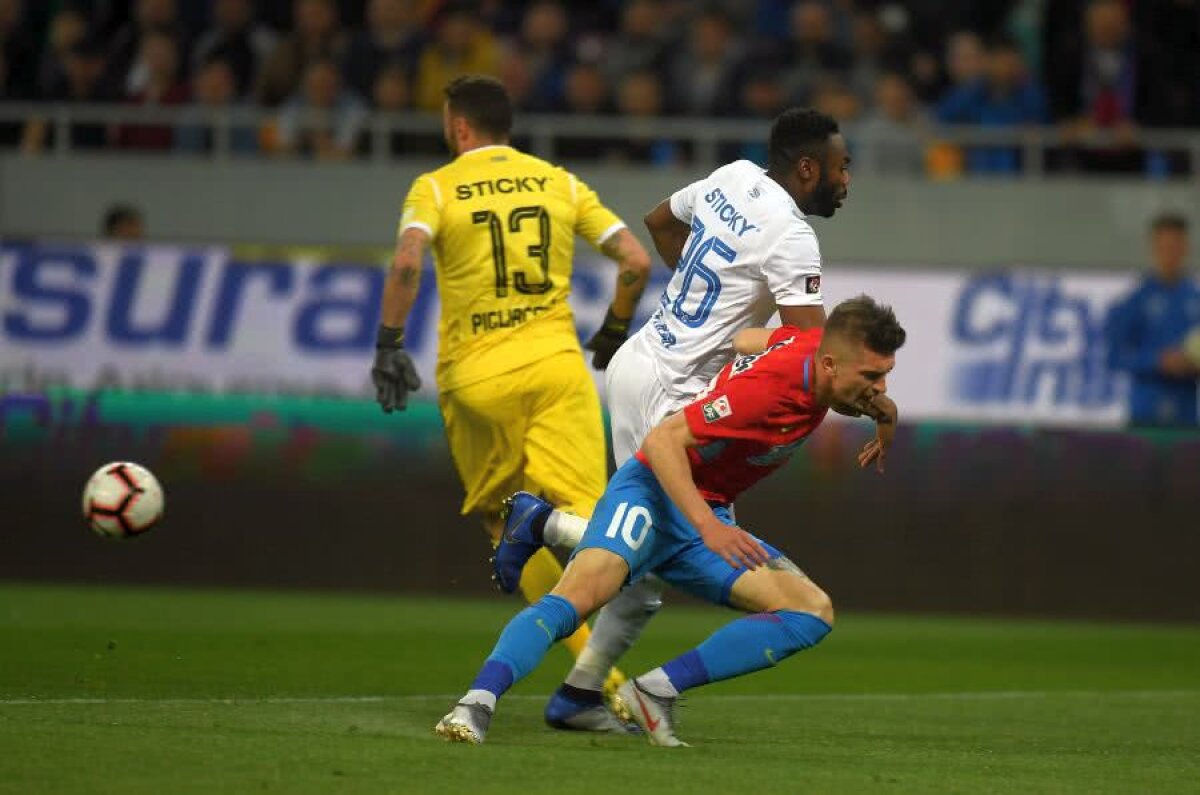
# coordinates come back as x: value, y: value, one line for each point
x: 503, y: 318
x: 490, y: 187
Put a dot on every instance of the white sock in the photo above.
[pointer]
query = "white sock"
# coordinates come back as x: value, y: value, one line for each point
x: 564, y: 529
x: 485, y: 697
x: 656, y: 682
x: 590, y: 670
x: 617, y: 626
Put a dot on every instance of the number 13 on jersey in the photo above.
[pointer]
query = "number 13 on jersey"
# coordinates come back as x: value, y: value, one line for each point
x: 539, y: 251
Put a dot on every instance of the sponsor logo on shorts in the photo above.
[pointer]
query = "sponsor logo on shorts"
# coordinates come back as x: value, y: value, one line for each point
x: 812, y: 284
x: 716, y: 409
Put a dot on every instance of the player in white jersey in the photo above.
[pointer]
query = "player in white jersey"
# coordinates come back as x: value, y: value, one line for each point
x: 742, y: 250
x: 749, y: 252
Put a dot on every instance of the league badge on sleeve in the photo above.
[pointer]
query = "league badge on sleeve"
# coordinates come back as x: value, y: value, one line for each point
x: 812, y: 284
x: 716, y: 409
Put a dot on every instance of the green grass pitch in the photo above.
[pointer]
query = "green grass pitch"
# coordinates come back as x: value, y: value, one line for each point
x: 139, y: 690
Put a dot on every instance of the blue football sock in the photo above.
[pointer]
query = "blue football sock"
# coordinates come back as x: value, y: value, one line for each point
x: 525, y: 641
x: 749, y: 644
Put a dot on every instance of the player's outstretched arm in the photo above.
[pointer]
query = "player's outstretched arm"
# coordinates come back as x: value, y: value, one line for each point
x: 666, y: 448
x: 633, y: 271
x: 393, y: 374
x: 668, y: 233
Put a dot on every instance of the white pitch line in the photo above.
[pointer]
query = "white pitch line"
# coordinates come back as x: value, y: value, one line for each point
x: 230, y: 701
x: 980, y: 695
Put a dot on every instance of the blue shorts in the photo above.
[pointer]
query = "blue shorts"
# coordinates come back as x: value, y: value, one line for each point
x: 636, y: 520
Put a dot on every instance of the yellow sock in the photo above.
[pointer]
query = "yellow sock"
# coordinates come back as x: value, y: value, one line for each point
x: 541, y: 574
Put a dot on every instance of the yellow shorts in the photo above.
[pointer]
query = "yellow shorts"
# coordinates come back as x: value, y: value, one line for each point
x: 536, y: 428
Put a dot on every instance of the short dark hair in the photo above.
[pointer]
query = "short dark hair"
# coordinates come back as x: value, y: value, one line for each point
x: 483, y: 102
x: 865, y: 320
x: 118, y: 214
x: 796, y: 133
x: 1176, y: 221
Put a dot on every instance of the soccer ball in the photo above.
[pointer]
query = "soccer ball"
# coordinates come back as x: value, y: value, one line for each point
x: 122, y: 500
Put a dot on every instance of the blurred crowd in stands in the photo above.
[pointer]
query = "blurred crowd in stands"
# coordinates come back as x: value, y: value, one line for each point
x: 885, y: 68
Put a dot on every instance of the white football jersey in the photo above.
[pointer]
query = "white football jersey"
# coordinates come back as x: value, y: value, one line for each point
x: 750, y: 250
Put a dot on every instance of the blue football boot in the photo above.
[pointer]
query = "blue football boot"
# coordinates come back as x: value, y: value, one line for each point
x: 573, y: 709
x: 524, y: 517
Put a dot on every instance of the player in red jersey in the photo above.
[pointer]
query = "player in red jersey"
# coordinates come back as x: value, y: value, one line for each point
x: 666, y: 512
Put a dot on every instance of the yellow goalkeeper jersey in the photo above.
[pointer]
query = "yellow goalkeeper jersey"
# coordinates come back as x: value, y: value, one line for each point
x: 503, y: 225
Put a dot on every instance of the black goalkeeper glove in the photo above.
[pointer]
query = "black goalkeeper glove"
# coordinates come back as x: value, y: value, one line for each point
x: 393, y: 373
x: 606, y: 341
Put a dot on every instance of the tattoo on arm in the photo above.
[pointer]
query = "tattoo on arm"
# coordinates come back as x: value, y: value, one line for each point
x: 409, y: 252
x: 618, y: 246
x: 633, y: 268
x: 410, y: 276
x: 621, y: 247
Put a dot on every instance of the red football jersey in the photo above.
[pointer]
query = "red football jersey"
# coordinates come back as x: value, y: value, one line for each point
x: 754, y: 415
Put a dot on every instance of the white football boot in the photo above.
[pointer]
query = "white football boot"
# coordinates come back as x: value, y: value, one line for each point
x: 466, y: 723
x: 655, y: 714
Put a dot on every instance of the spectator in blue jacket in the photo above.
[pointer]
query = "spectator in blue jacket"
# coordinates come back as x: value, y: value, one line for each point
x: 1005, y: 96
x: 1146, y: 329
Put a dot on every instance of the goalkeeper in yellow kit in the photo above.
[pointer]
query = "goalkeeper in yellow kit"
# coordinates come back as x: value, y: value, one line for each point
x: 520, y: 408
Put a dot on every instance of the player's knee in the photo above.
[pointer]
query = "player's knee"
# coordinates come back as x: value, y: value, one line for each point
x: 809, y: 599
x: 649, y: 594
x: 643, y: 597
x: 822, y: 608
x: 591, y: 580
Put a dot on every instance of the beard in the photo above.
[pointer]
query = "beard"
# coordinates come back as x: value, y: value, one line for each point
x: 824, y: 200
